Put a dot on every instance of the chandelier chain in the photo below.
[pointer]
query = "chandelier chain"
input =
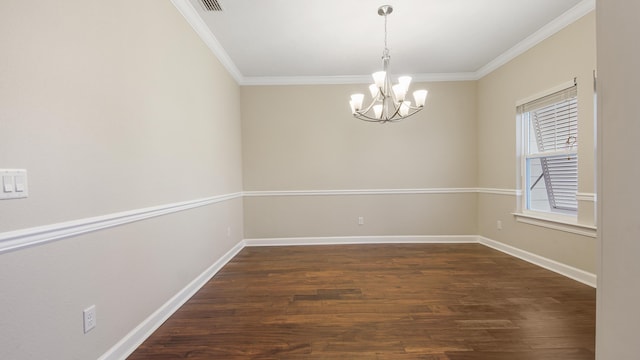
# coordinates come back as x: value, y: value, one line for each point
x: 385, y: 32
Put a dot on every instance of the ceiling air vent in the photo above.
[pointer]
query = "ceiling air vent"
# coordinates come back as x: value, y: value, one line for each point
x: 211, y: 5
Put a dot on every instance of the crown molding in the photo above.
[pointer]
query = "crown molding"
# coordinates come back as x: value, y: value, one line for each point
x: 347, y: 79
x: 569, y: 17
x: 304, y: 80
x: 200, y: 27
x: 436, y: 77
x: 193, y: 18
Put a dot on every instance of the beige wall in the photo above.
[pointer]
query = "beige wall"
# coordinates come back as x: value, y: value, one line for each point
x: 304, y: 138
x: 117, y: 106
x: 567, y: 54
x: 618, y: 322
x: 110, y: 106
x: 337, y: 215
x: 570, y: 53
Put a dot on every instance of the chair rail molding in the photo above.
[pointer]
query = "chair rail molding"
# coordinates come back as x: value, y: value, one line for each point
x: 19, y: 239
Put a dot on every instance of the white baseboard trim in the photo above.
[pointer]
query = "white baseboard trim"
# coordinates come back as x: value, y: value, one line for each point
x: 140, y: 333
x: 557, y: 267
x: 348, y: 240
x: 128, y: 344
x: 582, y: 276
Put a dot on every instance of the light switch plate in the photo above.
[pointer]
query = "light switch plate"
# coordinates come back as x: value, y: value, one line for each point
x: 14, y: 184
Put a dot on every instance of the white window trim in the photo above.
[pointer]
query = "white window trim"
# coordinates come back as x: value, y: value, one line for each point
x: 557, y: 222
x: 547, y: 92
x: 567, y: 223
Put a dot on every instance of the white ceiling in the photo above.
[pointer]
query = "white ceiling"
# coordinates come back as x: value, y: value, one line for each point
x: 272, y: 41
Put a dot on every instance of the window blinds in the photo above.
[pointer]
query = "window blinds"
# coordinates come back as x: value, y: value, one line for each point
x: 554, y: 122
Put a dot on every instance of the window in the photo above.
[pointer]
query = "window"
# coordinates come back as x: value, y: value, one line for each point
x: 550, y: 157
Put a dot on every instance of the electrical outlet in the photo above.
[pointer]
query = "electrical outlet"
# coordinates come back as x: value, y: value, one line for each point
x: 228, y: 231
x: 360, y: 220
x: 499, y: 224
x: 89, y: 316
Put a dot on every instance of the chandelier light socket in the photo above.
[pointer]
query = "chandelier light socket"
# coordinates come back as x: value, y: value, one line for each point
x: 420, y: 96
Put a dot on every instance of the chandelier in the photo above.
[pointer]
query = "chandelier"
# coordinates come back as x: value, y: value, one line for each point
x: 388, y: 102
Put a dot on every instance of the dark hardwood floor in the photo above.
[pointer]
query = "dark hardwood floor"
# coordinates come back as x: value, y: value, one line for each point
x: 414, y: 301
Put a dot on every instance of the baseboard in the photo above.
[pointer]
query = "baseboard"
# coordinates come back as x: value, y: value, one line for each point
x: 140, y: 333
x: 348, y: 240
x: 557, y: 267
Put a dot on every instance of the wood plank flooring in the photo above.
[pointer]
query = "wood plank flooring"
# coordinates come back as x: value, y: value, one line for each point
x: 409, y: 301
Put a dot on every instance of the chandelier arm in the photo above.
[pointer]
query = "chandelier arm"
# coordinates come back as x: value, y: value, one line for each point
x: 369, y: 107
x: 396, y: 113
x: 394, y: 119
x: 365, y: 117
x: 397, y: 117
x: 410, y: 114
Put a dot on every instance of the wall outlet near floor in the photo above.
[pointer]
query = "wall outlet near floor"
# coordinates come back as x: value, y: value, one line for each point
x: 89, y: 316
x: 499, y: 225
x: 360, y: 220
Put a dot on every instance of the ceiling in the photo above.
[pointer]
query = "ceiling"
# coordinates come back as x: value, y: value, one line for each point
x: 315, y: 41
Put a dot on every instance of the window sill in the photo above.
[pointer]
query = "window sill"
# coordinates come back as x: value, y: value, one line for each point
x: 562, y: 224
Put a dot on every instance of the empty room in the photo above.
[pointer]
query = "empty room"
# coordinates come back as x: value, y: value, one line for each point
x: 224, y: 179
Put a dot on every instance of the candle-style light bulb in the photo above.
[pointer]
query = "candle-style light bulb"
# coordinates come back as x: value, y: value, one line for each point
x: 420, y: 96
x: 379, y: 78
x: 377, y: 111
x: 404, y: 108
x: 400, y: 92
x: 356, y: 100
x: 374, y: 90
x: 405, y: 81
